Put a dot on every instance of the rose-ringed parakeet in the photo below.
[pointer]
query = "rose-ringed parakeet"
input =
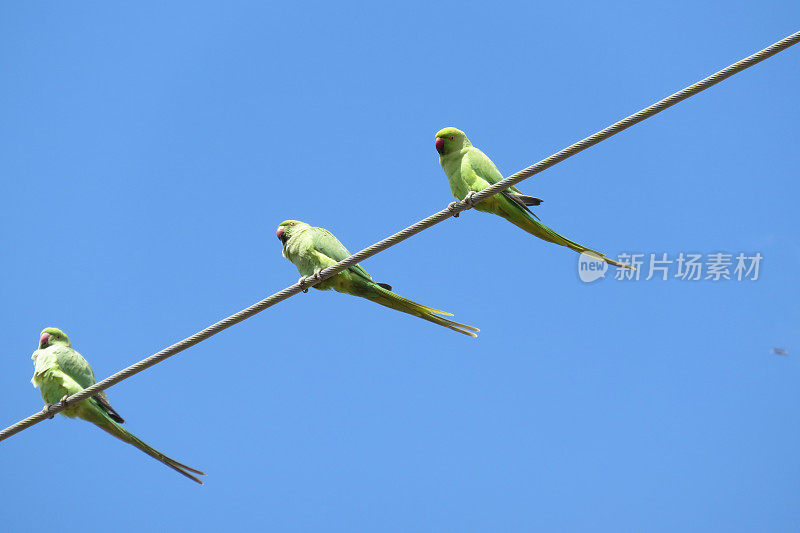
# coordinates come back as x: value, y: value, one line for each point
x: 469, y: 169
x: 61, y: 371
x: 311, y: 249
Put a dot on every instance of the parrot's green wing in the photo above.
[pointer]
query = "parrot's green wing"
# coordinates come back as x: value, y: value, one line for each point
x: 486, y: 169
x: 75, y: 366
x: 325, y: 243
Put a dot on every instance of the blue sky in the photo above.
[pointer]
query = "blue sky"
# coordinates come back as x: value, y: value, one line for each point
x: 149, y: 151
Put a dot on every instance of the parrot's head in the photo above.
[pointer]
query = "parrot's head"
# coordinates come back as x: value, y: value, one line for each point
x: 451, y: 140
x: 51, y: 336
x: 287, y: 228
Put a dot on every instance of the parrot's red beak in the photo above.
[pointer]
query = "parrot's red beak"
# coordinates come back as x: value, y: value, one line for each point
x: 439, y: 144
x: 280, y: 232
x: 43, y: 340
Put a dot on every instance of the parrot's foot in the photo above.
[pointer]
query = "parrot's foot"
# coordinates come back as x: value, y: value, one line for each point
x: 452, y: 206
x: 468, y: 199
x: 48, y: 407
x: 307, y: 279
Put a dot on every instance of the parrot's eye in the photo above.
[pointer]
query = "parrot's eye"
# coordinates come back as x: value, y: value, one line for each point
x: 452, y: 137
x: 291, y: 223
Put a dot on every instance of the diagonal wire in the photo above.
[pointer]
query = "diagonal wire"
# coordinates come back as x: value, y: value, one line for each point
x: 452, y: 209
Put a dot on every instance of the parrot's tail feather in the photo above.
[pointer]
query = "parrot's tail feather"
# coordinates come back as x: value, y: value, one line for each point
x: 396, y: 297
x: 529, y: 200
x: 617, y: 263
x: 392, y: 300
x: 520, y: 203
x: 100, y: 418
x: 170, y: 462
x: 538, y: 229
x: 459, y: 327
x: 102, y: 401
x: 464, y: 329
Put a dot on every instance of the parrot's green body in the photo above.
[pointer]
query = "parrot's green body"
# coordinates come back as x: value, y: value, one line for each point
x: 311, y: 249
x: 61, y: 371
x: 469, y: 169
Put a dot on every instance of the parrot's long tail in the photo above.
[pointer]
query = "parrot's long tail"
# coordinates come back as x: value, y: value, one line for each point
x: 100, y: 418
x: 534, y: 227
x: 390, y: 299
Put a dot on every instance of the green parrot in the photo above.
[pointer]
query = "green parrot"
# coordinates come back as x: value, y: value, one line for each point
x: 469, y: 169
x: 61, y: 371
x: 312, y: 249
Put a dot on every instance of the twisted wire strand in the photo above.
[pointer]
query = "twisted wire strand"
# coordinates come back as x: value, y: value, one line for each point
x: 452, y: 209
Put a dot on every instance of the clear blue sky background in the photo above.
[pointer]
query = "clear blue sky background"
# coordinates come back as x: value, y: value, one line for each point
x: 149, y: 152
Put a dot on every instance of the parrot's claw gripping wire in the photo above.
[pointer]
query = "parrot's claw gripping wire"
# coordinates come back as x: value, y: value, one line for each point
x: 452, y: 206
x: 312, y: 278
x: 50, y: 406
x: 468, y: 199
